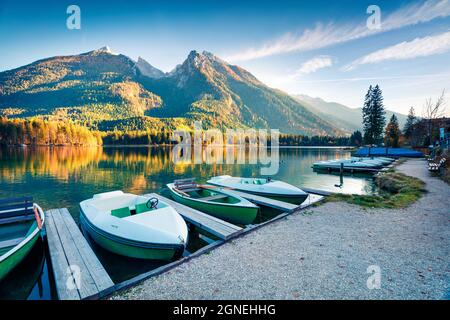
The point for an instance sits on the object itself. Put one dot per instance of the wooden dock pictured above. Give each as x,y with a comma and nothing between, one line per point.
317,191
348,169
312,199
77,271
272,203
215,226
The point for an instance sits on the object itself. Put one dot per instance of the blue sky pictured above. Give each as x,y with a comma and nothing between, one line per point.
320,48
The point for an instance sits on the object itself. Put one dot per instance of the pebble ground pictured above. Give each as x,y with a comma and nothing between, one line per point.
325,253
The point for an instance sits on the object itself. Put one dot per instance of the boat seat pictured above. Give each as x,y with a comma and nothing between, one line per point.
188,185
16,207
189,190
184,181
121,212
142,207
10,242
215,197
16,219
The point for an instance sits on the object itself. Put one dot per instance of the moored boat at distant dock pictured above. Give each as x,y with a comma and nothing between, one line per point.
347,165
377,160
388,152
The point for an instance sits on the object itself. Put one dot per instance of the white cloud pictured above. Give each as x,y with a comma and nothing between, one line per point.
324,35
416,13
419,47
319,37
379,78
315,64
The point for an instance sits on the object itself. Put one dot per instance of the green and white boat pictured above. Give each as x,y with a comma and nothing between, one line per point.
21,222
264,187
134,226
214,201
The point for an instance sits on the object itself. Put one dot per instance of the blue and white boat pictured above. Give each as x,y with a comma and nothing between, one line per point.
388,152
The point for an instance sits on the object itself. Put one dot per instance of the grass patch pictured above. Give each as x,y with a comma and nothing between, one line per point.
396,191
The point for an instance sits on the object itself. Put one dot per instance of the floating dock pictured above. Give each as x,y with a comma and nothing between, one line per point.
272,203
79,274
215,226
77,271
355,165
332,167
317,191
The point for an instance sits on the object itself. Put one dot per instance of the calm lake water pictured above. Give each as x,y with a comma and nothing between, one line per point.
63,176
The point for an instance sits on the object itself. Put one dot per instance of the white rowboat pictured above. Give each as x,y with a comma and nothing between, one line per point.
134,226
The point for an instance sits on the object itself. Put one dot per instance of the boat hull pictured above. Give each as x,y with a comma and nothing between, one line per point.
7,265
297,199
294,199
234,214
277,190
131,249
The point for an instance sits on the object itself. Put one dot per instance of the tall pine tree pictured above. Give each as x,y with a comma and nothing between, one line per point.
366,114
356,138
392,133
410,122
373,116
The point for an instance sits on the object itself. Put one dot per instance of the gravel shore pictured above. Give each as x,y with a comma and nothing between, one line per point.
324,253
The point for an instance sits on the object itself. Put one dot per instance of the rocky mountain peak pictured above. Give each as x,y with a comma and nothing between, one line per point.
202,87
148,70
105,49
101,51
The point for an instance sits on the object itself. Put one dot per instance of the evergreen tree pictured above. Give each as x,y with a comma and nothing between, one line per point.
373,115
356,138
392,133
410,122
366,112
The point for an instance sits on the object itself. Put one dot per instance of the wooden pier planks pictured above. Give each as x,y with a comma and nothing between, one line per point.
317,191
312,199
276,204
71,256
213,225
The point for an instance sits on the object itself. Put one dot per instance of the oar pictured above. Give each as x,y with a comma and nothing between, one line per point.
207,186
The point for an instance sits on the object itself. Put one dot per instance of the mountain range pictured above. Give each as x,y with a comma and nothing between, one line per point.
108,91
343,117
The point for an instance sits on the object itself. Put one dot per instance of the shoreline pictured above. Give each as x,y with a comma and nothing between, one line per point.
324,253
171,145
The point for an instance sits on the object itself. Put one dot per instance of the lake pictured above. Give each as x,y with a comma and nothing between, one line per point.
63,176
